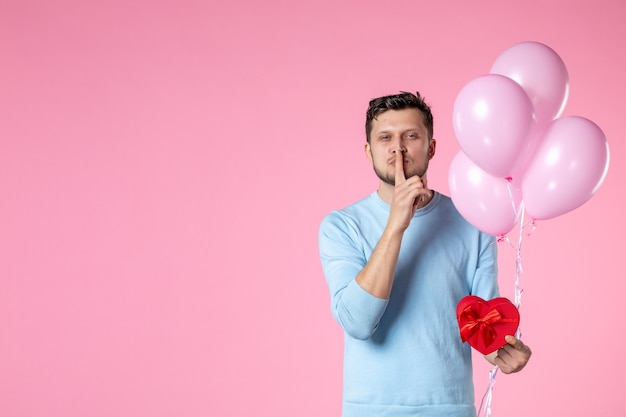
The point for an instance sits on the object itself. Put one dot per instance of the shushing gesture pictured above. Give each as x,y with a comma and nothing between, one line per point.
409,195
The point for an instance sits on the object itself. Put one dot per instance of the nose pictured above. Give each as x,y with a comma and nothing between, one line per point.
398,146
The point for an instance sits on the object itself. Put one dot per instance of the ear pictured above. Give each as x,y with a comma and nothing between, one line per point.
431,148
368,151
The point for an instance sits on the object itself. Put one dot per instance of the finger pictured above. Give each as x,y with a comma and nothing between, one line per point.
515,342
503,353
510,359
399,167
425,190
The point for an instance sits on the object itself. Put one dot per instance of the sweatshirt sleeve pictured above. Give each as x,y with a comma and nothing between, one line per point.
485,280
342,256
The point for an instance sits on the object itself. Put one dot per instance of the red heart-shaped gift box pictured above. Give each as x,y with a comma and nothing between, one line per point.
484,324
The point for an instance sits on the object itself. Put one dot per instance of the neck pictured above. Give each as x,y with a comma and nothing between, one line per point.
385,192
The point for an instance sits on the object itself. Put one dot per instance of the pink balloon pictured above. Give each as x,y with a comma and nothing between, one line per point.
493,119
490,204
567,169
542,74
526,155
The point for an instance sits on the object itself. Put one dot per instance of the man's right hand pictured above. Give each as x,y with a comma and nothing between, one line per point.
409,195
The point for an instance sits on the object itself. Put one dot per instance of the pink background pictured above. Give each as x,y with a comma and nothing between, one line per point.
164,167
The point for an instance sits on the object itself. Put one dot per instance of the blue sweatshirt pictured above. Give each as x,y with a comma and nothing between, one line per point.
404,356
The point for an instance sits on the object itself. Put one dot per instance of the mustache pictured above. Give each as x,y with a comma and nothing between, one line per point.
392,160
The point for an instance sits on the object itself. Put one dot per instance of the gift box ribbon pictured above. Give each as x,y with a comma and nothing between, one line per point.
474,322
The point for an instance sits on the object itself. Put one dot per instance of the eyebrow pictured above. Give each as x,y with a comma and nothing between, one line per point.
402,131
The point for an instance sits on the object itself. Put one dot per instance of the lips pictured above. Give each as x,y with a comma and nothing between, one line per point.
393,161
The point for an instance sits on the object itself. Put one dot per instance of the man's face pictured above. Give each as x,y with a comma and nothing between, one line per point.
399,131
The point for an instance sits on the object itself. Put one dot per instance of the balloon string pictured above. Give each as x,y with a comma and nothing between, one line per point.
489,394
518,259
488,397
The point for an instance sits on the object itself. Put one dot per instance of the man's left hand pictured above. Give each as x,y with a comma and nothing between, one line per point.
511,357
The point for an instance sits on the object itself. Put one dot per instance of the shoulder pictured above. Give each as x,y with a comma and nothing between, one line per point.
360,220
450,215
353,213
442,206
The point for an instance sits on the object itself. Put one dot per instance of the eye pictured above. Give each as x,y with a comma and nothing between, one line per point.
412,135
385,137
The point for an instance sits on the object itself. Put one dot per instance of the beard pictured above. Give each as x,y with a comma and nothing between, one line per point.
391,178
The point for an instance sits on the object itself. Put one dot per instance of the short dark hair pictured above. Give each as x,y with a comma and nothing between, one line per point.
400,101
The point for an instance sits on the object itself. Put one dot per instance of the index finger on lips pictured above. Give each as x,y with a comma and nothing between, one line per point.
399,167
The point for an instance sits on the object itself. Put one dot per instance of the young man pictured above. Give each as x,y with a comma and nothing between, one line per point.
397,263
